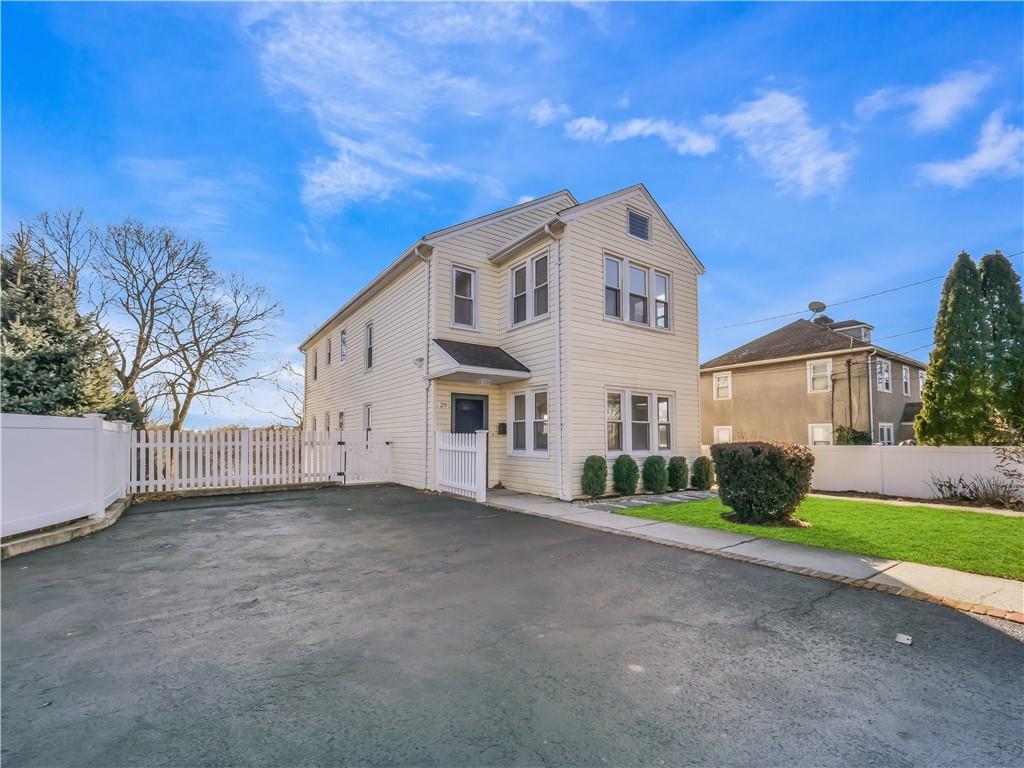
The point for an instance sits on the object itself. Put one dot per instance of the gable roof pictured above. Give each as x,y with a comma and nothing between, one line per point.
801,338
479,221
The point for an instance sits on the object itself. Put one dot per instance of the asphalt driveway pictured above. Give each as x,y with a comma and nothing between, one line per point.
381,626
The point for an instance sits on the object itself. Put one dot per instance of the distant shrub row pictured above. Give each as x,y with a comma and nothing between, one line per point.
658,475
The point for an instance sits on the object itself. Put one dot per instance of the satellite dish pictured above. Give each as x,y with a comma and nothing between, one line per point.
816,306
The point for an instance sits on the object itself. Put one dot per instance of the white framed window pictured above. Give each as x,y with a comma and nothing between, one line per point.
343,345
638,422
722,434
638,312
316,367
721,385
613,287
464,289
529,288
906,381
329,349
819,375
341,421
638,224
327,422
314,423
369,345
529,418
885,433
883,372
661,288
920,383
819,434
368,418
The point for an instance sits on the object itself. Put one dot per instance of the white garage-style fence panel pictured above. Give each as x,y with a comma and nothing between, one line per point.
462,463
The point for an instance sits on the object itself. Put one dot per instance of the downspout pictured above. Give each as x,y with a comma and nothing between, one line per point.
426,377
558,364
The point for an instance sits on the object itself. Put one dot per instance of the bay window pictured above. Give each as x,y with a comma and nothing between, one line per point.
529,417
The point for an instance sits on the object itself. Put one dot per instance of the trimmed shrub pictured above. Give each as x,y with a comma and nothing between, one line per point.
655,474
625,474
703,475
762,481
678,473
595,476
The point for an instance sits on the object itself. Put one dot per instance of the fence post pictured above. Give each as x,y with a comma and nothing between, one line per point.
246,457
481,465
125,452
98,472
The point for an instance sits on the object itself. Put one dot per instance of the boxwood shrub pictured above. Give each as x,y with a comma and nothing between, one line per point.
703,475
595,476
625,474
678,474
655,474
762,481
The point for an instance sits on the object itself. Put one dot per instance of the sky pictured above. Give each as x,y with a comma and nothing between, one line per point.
805,152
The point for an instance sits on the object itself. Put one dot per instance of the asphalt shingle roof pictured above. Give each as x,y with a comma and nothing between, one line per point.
801,337
480,355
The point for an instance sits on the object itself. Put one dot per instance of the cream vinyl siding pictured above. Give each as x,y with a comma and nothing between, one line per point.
394,386
605,354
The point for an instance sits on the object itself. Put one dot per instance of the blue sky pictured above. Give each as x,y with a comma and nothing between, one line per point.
804,151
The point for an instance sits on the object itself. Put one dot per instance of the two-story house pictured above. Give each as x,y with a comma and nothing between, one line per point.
801,382
564,329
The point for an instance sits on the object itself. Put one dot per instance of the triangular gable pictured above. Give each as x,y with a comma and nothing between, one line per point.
490,218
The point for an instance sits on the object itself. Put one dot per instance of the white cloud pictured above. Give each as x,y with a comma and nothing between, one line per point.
776,131
681,139
524,199
933,106
586,129
544,112
998,152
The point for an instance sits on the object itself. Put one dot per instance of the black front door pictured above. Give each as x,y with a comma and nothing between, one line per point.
469,413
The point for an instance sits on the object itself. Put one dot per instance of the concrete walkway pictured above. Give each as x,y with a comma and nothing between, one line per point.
1003,598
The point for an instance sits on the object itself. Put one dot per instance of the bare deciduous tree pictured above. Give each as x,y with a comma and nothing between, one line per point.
289,383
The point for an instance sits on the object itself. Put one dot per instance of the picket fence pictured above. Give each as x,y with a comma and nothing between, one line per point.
462,464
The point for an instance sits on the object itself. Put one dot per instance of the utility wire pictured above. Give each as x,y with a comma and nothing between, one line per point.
904,333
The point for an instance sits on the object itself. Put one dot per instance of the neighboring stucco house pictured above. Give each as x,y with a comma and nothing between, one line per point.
564,329
800,382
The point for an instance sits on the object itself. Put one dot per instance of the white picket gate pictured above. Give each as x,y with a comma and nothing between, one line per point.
161,460
462,463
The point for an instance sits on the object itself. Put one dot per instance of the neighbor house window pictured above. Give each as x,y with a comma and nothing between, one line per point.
638,295
329,346
614,420
530,290
613,287
906,381
316,367
664,423
369,345
819,375
343,345
920,383
660,300
638,225
640,422
885,433
529,422
463,297
884,374
722,386
722,434
819,434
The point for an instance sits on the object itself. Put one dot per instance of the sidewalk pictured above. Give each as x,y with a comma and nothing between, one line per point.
1002,598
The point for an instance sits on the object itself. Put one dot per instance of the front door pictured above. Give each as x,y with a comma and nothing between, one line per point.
469,413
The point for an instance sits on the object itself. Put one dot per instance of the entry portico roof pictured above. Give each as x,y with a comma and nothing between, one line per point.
482,363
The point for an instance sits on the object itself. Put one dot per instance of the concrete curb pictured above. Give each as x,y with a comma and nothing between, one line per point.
29,542
636,533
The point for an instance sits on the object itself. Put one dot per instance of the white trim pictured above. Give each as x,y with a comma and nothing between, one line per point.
826,424
828,376
714,385
714,433
529,421
474,298
882,426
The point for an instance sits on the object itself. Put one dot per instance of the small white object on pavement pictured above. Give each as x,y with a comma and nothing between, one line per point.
905,639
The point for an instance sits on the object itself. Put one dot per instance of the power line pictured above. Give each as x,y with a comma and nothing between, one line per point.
904,333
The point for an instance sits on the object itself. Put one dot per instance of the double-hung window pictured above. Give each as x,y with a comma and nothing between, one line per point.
463,297
638,295
906,381
529,419
327,421
329,349
664,423
884,374
819,434
638,422
885,433
920,383
819,375
368,419
341,421
613,287
722,386
660,300
369,345
530,290
316,368
614,419
343,345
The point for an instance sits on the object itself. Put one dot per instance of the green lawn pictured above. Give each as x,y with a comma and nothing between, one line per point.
967,541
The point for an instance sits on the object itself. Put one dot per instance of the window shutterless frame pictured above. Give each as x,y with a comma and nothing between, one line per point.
528,289
343,345
721,385
315,366
722,434
637,294
819,434
464,293
638,422
613,287
884,374
369,345
329,350
819,376
906,381
886,435
528,414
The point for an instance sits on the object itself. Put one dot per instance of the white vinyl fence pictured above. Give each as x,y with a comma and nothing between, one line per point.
897,470
59,468
462,463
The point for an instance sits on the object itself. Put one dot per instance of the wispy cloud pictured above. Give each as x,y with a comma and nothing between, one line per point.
680,138
932,107
776,131
586,129
545,112
997,152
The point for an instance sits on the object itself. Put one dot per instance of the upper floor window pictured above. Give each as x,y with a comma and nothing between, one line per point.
529,419
315,366
638,225
883,370
638,295
369,345
819,375
722,386
529,290
329,346
906,381
660,300
343,345
464,297
641,282
341,421
920,383
613,287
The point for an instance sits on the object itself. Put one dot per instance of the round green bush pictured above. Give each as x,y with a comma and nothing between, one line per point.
595,476
703,475
762,481
655,474
678,475
625,474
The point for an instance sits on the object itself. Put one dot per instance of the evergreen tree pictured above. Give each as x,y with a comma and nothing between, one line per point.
954,402
1004,344
52,363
